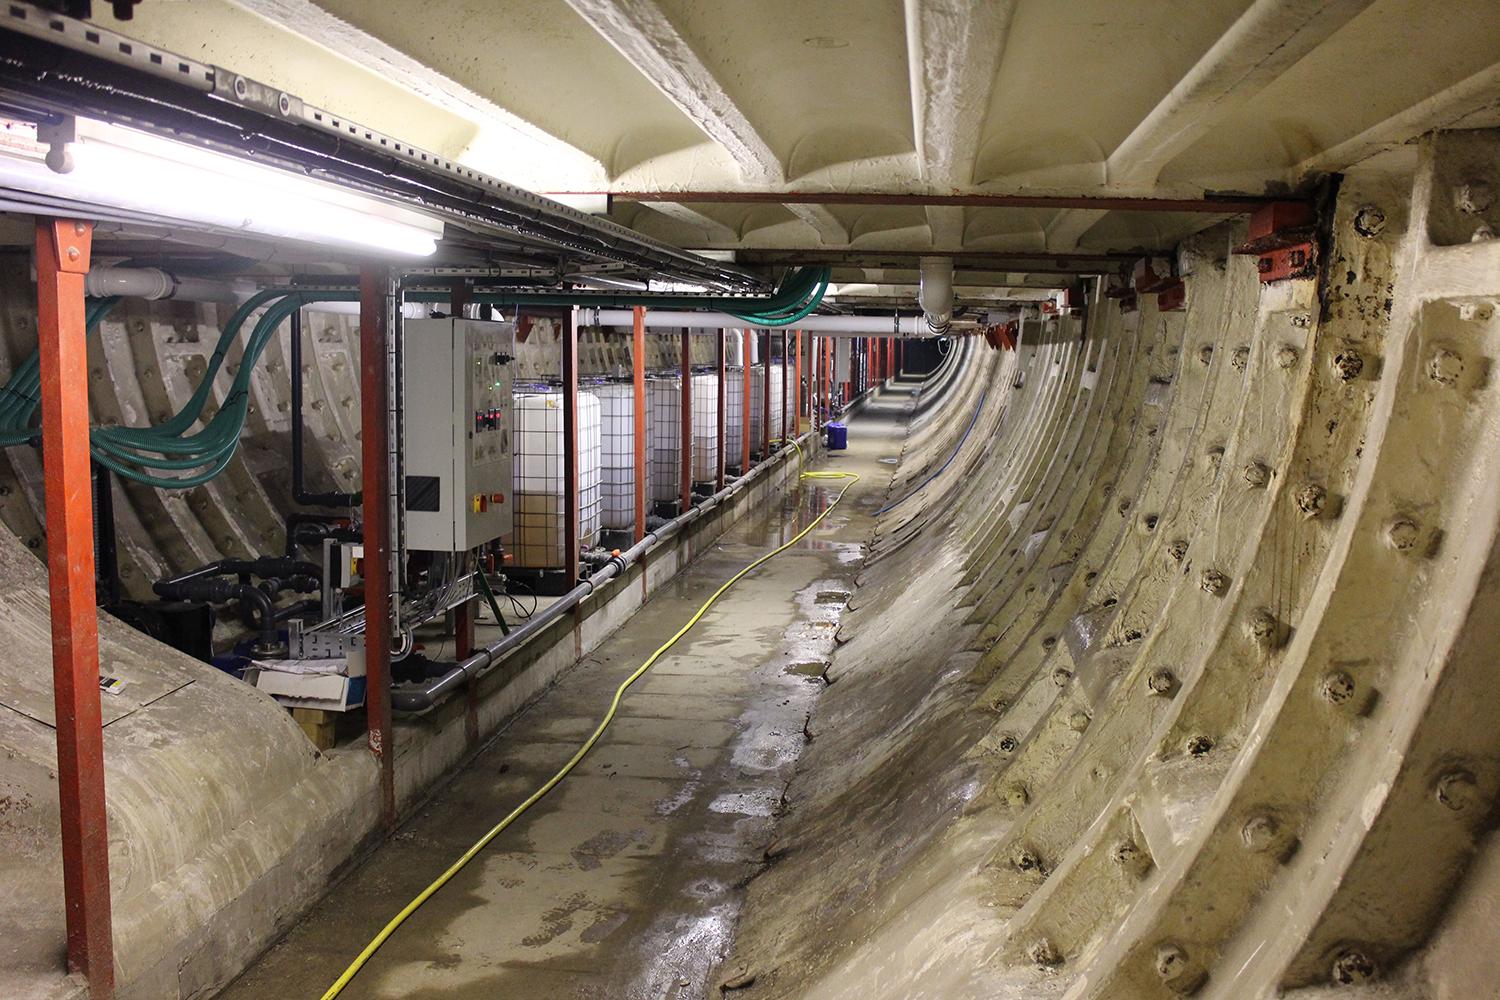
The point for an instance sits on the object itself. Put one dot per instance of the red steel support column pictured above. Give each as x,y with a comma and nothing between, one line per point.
820,373
800,396
686,464
571,514
62,260
723,416
785,387
374,406
461,296
638,384
828,379
461,293
745,341
765,403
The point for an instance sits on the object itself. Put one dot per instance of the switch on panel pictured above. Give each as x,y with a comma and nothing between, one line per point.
458,388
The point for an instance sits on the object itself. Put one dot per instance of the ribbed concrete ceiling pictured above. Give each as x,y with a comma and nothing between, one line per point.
1090,98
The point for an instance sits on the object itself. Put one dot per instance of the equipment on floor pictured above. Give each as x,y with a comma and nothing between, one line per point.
838,436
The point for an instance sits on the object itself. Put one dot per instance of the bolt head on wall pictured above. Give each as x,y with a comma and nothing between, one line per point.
1162,682
1336,688
1457,790
1369,221
1445,367
1311,500
1352,967
1402,534
1347,364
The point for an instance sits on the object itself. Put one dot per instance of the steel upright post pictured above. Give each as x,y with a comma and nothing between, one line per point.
62,260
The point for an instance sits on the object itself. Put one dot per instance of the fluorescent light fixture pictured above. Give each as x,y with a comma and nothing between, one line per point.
125,171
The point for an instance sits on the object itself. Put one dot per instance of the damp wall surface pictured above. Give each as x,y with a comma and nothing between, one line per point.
1179,677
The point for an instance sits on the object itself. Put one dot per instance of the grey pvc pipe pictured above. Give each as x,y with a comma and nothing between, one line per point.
154,283
904,327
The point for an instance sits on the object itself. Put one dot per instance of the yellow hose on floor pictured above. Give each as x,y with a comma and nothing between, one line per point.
406,911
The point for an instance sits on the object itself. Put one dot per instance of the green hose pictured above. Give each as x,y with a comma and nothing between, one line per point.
131,451
787,319
138,453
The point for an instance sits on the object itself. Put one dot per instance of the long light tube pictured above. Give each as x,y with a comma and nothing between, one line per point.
134,173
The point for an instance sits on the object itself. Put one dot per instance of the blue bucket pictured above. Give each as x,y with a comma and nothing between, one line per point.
838,436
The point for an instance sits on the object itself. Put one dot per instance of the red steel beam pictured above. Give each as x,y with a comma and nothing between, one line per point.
825,395
765,405
797,409
62,260
572,516
745,336
638,387
785,388
375,442
460,295
723,415
685,457
1235,205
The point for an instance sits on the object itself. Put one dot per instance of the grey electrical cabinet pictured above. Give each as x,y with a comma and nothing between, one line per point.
458,433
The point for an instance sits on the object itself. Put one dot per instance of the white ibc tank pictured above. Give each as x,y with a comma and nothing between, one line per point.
734,416
537,542
757,407
617,458
706,428
664,434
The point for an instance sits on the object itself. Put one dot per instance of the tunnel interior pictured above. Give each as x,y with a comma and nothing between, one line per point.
813,501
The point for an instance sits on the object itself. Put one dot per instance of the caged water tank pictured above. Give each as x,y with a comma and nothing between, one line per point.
664,431
734,416
706,428
538,535
664,438
617,458
757,407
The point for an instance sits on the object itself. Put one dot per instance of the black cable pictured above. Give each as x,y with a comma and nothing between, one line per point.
518,605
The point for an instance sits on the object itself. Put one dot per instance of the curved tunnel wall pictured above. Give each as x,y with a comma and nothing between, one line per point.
1179,678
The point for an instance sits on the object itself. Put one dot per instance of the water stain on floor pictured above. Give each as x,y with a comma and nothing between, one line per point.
626,880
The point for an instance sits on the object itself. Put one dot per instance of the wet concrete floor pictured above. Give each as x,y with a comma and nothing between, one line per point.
625,881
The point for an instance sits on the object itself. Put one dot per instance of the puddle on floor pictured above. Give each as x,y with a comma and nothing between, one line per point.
813,670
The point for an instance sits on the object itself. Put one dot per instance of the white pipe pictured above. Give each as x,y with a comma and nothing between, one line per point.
935,294
906,327
154,283
409,310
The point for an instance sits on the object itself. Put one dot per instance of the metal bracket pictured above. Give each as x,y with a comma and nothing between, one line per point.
1282,237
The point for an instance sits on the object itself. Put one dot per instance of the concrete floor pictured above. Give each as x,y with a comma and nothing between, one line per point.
626,881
